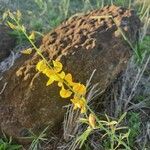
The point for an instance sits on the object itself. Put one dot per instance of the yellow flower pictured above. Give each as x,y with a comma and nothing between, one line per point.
60,84
83,110
48,72
79,103
62,75
79,88
92,121
41,66
68,78
57,66
58,76
49,82
65,93
54,77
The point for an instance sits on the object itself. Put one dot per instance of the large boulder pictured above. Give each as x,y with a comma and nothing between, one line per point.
7,42
82,44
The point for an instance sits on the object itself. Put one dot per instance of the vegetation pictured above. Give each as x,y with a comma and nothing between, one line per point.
114,132
6,144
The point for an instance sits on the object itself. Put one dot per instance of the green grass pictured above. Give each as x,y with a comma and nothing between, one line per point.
134,125
43,15
36,140
7,144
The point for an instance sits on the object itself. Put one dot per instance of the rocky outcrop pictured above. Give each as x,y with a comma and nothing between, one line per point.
82,44
7,42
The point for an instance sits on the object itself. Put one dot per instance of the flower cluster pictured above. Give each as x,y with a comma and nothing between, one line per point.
76,91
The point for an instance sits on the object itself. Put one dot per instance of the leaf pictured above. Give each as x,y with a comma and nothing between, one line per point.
83,137
18,13
32,36
112,123
122,117
11,15
23,28
5,15
12,26
83,120
107,118
126,135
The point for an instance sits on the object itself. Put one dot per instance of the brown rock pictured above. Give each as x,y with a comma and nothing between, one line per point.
7,42
82,44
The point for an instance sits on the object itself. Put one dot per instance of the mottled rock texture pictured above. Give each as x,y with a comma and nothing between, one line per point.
82,44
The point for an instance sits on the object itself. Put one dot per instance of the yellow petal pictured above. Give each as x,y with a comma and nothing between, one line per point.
83,110
62,75
60,84
48,72
79,88
68,78
41,66
49,82
79,103
65,93
27,51
57,66
56,77
75,107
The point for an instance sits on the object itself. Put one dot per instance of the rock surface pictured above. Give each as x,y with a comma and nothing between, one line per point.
82,44
7,42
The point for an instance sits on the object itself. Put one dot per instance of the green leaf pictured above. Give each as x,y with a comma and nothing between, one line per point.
12,26
122,117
